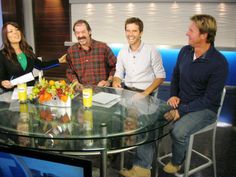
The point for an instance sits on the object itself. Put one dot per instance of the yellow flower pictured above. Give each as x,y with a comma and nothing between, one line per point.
51,82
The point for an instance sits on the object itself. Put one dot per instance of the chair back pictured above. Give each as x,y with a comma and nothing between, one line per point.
221,102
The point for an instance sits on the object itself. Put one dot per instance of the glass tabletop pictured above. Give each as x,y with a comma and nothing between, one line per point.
119,118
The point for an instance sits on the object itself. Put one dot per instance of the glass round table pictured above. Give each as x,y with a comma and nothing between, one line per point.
119,120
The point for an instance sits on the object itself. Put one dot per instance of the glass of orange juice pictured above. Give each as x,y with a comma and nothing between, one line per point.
87,96
22,92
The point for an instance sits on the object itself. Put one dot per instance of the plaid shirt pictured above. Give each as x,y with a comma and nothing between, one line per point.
92,66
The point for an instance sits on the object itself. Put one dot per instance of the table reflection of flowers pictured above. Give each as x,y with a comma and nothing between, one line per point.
46,91
53,122
49,114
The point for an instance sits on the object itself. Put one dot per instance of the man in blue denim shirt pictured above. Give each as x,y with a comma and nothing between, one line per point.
198,80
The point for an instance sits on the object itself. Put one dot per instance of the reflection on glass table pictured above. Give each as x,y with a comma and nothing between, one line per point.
132,121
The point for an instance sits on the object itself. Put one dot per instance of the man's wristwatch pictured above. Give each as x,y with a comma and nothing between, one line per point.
110,81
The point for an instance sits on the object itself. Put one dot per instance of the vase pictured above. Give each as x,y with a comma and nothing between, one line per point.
55,101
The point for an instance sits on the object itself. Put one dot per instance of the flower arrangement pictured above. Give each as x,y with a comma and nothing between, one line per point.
47,90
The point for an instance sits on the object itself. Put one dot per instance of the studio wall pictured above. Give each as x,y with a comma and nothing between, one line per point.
12,11
51,28
164,23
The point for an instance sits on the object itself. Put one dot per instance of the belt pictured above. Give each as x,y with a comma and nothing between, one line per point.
133,89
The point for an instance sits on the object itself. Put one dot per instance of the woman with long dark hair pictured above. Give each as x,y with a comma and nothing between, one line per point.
17,57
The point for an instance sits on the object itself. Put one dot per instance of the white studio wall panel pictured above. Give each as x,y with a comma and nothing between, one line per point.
164,23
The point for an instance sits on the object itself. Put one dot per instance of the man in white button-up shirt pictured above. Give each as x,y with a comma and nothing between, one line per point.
139,65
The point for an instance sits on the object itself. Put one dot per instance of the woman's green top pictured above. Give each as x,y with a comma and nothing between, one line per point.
22,60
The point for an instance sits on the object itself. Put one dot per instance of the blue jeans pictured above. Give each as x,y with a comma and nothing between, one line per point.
144,153
180,134
184,127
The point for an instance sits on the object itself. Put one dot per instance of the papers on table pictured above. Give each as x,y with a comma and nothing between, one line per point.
6,97
104,99
23,79
14,95
14,106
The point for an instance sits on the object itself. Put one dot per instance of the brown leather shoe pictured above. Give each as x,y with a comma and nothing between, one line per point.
136,171
170,168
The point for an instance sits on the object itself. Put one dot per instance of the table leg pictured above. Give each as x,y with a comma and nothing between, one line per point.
122,158
103,170
156,154
154,162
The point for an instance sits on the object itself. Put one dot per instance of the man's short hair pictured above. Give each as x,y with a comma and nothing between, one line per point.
136,21
206,24
82,22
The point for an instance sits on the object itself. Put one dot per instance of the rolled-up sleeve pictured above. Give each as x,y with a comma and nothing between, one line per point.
157,64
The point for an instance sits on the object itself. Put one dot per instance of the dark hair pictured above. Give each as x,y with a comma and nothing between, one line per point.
206,24
8,50
82,22
136,21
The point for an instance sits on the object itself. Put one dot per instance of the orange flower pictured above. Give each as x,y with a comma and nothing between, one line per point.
64,98
41,98
63,82
45,97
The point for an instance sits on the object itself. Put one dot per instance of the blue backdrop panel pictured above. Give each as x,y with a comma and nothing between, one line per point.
169,57
231,58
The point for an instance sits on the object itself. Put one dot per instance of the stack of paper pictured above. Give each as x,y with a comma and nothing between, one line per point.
105,99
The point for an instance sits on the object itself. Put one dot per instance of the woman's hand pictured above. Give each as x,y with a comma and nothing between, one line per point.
7,84
62,59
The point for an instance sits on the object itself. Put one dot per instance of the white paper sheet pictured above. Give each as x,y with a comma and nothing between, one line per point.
104,98
22,79
108,105
6,97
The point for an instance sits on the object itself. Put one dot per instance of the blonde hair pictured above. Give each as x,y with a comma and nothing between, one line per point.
206,24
